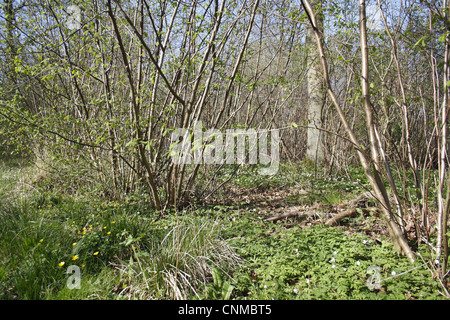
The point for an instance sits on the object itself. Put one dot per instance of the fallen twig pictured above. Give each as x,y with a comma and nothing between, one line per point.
339,216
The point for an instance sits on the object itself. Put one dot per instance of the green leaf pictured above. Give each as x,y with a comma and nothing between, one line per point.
420,41
443,37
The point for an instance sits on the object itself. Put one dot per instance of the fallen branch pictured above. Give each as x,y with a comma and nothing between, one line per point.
360,201
347,213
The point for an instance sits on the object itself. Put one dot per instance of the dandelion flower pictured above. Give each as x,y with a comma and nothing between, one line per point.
41,240
109,232
61,263
95,253
75,258
74,244
82,265
113,222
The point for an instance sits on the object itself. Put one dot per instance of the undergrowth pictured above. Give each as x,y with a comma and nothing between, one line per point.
126,251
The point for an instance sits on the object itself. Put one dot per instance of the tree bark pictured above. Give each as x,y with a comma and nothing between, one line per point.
316,92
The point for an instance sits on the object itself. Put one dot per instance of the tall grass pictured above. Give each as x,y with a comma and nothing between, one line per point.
123,250
180,266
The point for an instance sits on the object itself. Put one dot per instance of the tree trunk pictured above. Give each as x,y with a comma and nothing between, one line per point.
370,162
316,93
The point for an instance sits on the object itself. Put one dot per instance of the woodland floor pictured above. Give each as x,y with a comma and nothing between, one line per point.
291,237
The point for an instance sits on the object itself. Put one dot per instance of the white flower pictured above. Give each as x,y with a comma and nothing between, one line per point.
358,263
365,241
345,269
295,291
333,266
393,273
265,287
335,253
332,259
307,281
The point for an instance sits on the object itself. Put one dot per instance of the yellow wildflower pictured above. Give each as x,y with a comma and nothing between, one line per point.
75,258
41,240
95,253
74,244
61,263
